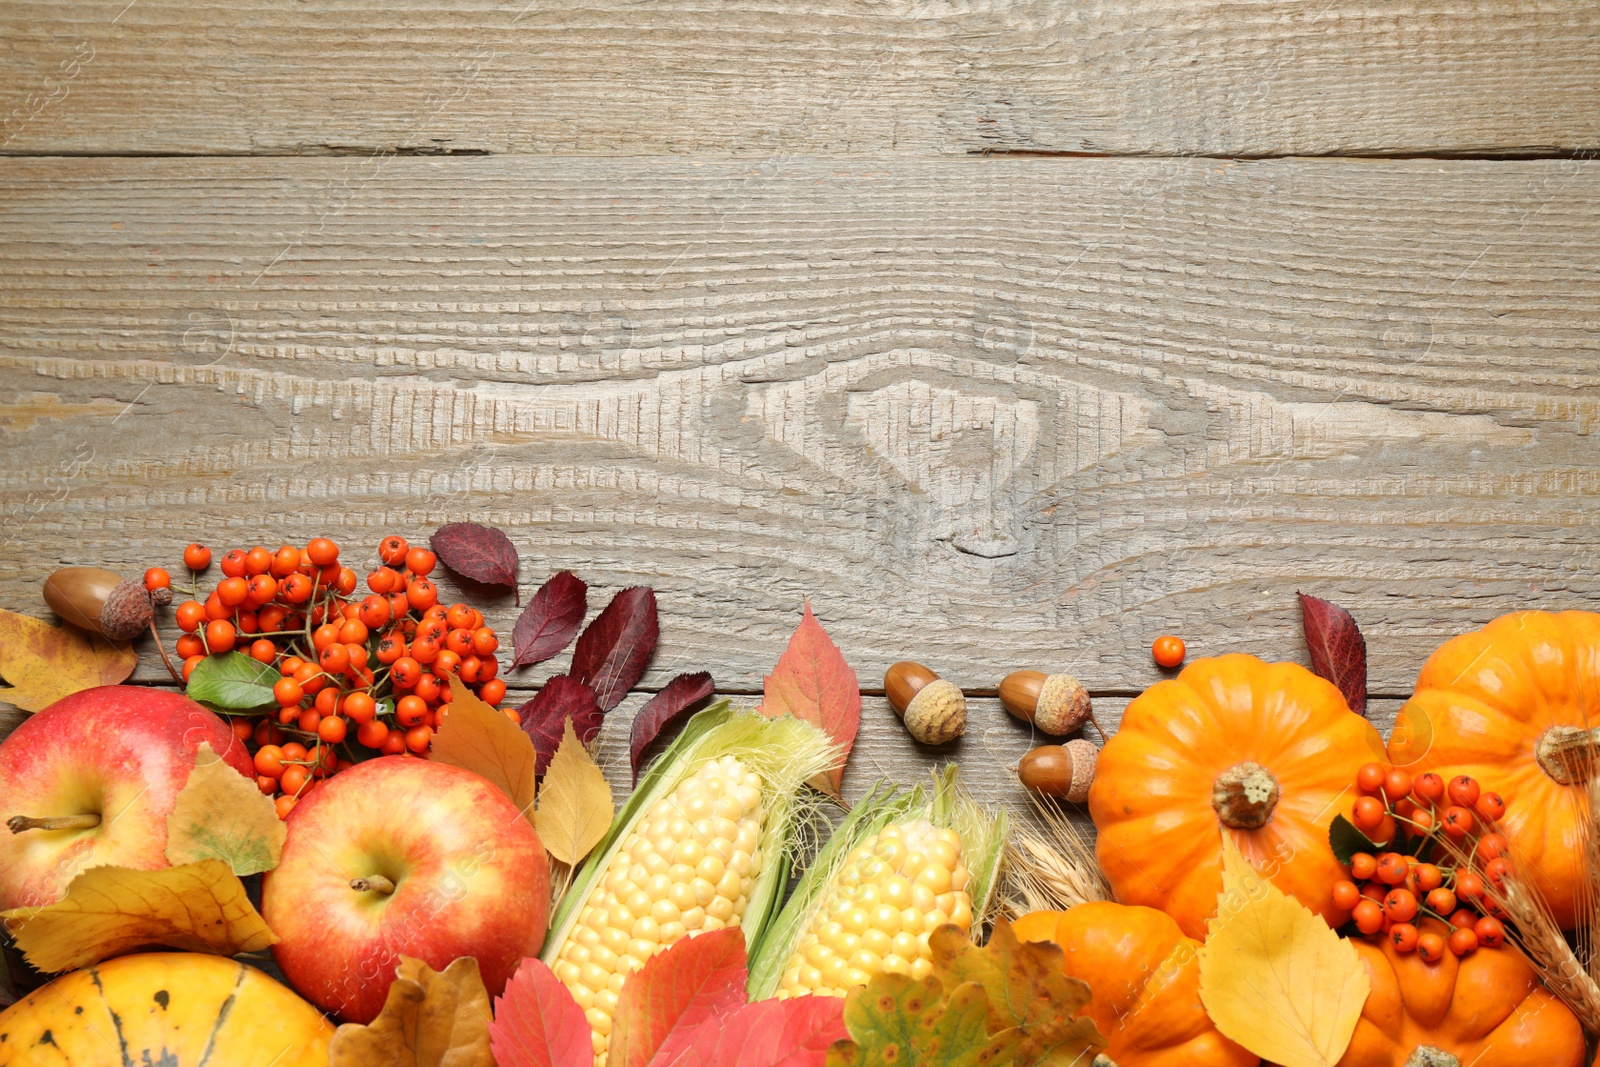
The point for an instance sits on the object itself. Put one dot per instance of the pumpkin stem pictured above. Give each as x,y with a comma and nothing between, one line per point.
1567,753
1428,1056
1244,796
22,823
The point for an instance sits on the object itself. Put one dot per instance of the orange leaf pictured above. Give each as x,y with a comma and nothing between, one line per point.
699,978
813,682
44,663
477,738
430,1019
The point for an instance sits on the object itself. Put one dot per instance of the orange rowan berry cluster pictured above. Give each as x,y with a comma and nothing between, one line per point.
1417,875
373,670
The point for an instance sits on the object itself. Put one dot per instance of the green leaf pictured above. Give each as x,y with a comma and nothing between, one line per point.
895,1021
1346,840
233,682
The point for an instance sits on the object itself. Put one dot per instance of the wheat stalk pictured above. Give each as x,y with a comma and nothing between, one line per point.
1054,869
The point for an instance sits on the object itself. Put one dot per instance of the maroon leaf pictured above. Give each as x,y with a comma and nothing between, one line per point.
538,1024
544,717
769,1033
547,624
613,649
481,553
1338,651
681,695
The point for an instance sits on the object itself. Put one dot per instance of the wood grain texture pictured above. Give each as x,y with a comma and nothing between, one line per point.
778,82
985,414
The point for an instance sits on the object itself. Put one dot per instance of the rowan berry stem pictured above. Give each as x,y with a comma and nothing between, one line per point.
376,883
19,823
176,677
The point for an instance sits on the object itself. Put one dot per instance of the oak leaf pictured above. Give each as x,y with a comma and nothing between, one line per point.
813,682
1338,651
682,695
430,1019
44,663
559,700
537,1023
898,1021
575,807
698,979
613,650
474,736
220,814
198,907
1273,976
1027,989
551,619
478,552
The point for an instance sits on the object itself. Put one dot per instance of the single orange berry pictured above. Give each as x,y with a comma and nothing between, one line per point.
1430,947
1345,894
334,658
1363,865
1371,776
1403,936
233,563
428,688
215,608
1429,877
322,551
1428,787
484,641
263,650
197,557
267,785
446,662
284,561
272,617
1463,790
310,718
1368,916
1491,806
373,733
1400,906
1463,941
269,761
459,642
422,593
1396,784
382,581
410,710
261,589
391,646
1442,901
392,550
257,561
459,616
1457,822
1492,846
325,635
405,672
220,636
1367,813
191,645
232,591
247,622
242,728
471,670
284,805
1392,868
395,743
493,691
359,708
157,578
190,614
1469,887
267,733
1168,651
1463,917
399,603
327,701
420,561
418,738
352,632
345,583
332,729
289,716
1491,932
425,649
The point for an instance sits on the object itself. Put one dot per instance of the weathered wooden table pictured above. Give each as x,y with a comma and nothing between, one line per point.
1011,332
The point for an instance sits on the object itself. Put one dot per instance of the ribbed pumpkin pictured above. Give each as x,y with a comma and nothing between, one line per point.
1145,977
175,1009
1512,705
1485,1009
1265,751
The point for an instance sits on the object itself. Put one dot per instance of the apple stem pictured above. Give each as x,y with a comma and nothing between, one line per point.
19,823
377,883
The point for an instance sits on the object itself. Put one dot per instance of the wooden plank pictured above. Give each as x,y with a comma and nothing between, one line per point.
783,82
986,415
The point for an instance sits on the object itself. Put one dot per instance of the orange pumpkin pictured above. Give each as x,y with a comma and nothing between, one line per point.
1265,751
1485,1009
1511,705
1145,978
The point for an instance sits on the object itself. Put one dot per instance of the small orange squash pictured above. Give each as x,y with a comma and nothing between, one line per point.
1485,1009
1512,705
1145,978
175,1009
1265,751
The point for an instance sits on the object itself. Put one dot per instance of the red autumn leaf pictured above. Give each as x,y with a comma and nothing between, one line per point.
768,1033
680,696
698,979
537,1023
479,552
544,717
613,649
547,624
1338,651
813,682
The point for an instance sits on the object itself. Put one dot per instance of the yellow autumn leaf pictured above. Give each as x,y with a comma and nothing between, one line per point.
199,907
575,808
430,1019
43,663
476,737
1274,977
220,814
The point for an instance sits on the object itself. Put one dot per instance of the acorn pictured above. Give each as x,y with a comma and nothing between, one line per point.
100,601
1056,703
934,710
1060,770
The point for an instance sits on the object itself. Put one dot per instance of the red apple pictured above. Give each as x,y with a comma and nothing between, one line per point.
113,758
400,855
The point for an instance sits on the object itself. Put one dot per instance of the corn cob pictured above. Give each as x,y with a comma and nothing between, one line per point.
702,844
900,866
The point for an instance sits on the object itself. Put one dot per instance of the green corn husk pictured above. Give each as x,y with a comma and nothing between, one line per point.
983,836
785,752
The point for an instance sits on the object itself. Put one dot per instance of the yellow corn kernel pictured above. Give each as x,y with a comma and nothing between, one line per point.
877,911
654,892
